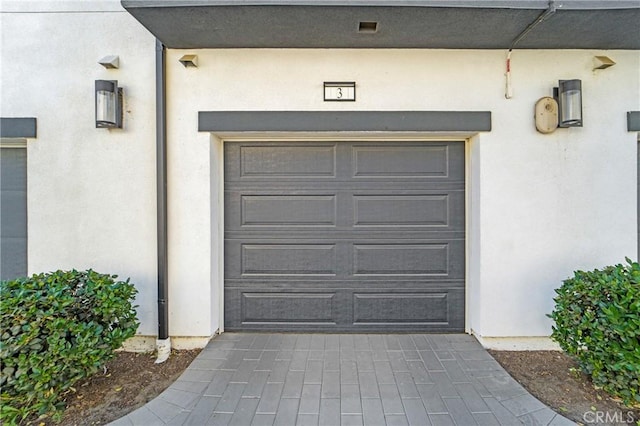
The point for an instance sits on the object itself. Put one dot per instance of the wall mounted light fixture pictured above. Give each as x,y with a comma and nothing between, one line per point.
602,62
189,61
109,101
110,62
569,96
564,109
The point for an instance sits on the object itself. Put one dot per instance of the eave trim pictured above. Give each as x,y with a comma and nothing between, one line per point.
470,4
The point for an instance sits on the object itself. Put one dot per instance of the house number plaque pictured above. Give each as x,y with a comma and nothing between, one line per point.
340,91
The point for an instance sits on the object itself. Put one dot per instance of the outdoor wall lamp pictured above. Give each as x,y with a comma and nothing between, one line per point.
564,109
108,104
110,62
569,97
189,61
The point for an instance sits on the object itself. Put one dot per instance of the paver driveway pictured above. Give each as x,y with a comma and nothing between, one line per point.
344,379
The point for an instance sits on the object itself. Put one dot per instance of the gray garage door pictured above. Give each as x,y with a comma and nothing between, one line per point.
13,217
344,236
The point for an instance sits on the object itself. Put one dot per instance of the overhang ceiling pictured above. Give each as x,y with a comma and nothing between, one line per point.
453,24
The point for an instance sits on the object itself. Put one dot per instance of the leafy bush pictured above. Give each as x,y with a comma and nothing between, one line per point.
597,322
57,328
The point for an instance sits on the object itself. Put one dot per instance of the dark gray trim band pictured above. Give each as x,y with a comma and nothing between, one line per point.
633,121
496,4
344,121
25,127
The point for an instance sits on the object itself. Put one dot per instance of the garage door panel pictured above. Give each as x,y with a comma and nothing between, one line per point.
344,236
13,260
413,210
401,210
373,282
288,259
344,259
345,210
282,258
287,210
275,309
415,161
415,308
405,309
341,233
430,260
299,186
344,310
13,171
283,161
13,219
295,307
400,259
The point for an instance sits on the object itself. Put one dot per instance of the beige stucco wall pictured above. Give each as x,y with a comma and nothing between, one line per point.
91,192
539,206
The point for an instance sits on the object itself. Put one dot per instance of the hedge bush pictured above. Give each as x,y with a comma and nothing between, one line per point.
57,328
597,322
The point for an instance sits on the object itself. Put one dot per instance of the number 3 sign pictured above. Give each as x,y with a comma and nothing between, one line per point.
340,91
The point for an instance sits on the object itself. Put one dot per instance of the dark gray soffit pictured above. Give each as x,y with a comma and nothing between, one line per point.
23,127
344,121
404,24
633,121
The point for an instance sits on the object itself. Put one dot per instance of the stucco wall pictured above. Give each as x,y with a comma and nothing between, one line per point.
91,192
539,206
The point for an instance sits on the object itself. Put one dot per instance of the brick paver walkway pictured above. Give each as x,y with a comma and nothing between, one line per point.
344,379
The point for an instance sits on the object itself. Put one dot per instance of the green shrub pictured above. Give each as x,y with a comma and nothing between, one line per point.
597,322
57,328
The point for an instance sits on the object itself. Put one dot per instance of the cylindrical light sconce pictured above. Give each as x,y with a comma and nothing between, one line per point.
570,103
108,104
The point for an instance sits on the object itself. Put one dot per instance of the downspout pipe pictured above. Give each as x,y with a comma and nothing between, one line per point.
163,343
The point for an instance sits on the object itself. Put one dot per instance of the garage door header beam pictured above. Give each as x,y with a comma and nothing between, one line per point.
344,121
22,127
